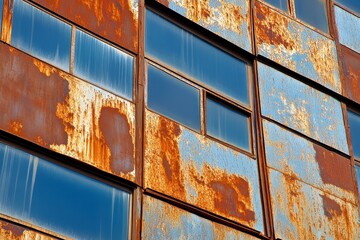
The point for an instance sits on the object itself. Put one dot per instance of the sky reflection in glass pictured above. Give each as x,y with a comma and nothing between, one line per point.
351,4
281,4
312,12
56,198
354,122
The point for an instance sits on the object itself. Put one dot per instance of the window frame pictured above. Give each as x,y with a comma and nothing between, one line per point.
205,89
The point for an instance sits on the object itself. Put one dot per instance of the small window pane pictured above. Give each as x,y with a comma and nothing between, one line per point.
103,64
313,12
173,98
55,198
41,35
180,49
351,4
281,4
354,122
227,124
358,177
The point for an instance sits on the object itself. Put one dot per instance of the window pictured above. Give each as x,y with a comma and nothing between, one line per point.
281,4
351,4
354,123
193,72
173,98
41,35
59,199
101,63
357,168
313,12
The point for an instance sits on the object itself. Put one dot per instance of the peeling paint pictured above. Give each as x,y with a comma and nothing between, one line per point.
11,231
302,108
164,221
296,47
228,19
115,20
187,166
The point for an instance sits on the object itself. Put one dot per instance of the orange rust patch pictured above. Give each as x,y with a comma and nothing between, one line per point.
115,20
331,208
15,127
7,21
334,169
10,231
351,66
116,130
44,68
164,2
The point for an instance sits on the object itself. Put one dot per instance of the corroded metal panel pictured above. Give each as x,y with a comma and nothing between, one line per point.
348,26
302,108
11,231
185,165
55,110
308,162
164,221
115,20
303,212
351,67
296,47
230,19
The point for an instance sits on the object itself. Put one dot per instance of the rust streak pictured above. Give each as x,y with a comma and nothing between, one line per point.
7,21
331,208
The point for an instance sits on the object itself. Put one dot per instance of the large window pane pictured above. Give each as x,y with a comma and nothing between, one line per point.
173,98
61,200
103,64
227,124
41,35
281,4
351,4
354,122
313,12
184,51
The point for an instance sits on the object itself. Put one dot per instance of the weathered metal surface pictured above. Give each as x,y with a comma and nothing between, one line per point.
302,108
308,162
351,68
303,212
115,20
164,221
6,21
55,110
296,47
348,26
230,19
187,166
11,231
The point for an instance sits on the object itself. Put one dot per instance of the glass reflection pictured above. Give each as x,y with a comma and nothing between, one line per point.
184,51
41,35
103,64
281,4
358,177
173,98
353,5
313,12
227,124
1,13
56,198
354,122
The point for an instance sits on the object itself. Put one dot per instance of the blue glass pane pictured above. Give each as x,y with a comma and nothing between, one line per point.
41,35
227,124
61,200
173,98
103,64
354,122
281,4
184,51
358,178
351,4
312,12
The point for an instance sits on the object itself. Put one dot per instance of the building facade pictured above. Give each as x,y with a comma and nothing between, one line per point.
176,119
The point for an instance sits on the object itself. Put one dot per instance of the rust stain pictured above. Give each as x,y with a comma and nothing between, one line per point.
164,2
331,208
115,20
29,97
334,169
10,231
44,68
16,231
99,126
7,21
351,66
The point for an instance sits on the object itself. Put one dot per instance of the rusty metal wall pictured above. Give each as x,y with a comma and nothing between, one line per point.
164,221
230,19
296,47
351,68
187,166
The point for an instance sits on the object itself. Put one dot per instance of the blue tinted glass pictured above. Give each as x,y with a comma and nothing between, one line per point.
227,124
351,4
312,12
58,199
173,98
354,122
281,4
358,178
180,49
41,35
103,64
